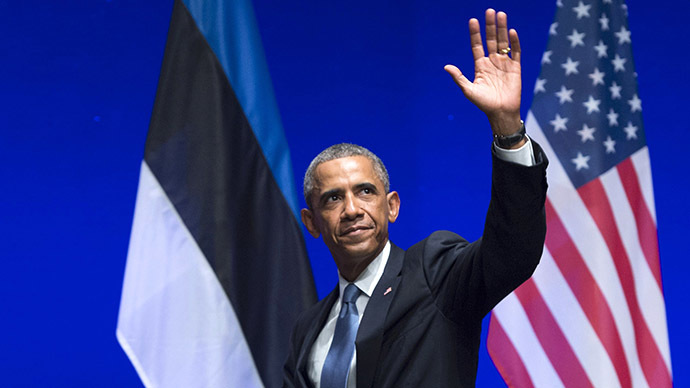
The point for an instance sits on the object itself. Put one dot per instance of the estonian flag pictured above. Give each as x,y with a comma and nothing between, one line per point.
217,270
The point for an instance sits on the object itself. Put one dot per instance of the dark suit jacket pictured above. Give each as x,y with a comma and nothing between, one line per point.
425,332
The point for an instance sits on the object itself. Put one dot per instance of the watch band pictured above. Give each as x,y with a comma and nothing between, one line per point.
511,140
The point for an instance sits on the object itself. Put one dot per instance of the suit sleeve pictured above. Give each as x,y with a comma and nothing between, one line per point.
468,280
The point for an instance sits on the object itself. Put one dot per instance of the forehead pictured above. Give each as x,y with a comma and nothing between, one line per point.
346,171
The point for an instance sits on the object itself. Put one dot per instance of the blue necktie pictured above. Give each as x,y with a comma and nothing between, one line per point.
337,364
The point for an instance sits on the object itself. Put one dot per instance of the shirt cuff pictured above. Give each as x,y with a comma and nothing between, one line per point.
523,155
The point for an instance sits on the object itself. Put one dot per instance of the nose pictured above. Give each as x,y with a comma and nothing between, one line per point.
352,208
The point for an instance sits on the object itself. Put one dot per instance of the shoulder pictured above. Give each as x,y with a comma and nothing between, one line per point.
440,263
437,243
437,254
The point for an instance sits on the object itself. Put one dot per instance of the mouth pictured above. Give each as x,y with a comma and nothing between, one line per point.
355,230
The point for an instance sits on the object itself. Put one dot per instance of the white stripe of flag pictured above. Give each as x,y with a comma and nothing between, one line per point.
169,293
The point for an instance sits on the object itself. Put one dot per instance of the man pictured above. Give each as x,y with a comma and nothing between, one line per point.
413,318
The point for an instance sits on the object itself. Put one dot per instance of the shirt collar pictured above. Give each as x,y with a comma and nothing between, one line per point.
367,280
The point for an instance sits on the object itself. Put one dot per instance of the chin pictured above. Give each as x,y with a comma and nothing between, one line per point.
364,250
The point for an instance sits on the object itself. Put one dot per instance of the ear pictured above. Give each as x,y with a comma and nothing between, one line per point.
308,221
393,205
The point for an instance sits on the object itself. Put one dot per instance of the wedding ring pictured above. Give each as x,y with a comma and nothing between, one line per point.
504,51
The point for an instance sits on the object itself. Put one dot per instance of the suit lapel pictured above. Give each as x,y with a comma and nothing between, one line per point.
312,334
370,332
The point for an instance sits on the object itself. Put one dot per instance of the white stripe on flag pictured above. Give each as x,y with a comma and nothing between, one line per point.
574,323
643,168
512,317
586,236
649,296
176,323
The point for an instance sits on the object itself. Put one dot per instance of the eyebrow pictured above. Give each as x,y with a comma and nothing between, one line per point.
366,185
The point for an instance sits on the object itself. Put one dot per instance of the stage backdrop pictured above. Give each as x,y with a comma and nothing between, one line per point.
77,90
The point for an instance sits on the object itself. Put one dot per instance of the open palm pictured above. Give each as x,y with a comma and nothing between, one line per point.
497,76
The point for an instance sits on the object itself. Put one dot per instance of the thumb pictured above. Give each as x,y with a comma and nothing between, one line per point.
458,77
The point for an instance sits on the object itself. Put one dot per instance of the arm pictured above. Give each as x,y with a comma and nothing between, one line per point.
469,279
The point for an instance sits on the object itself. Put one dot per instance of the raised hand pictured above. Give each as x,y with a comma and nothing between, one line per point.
497,77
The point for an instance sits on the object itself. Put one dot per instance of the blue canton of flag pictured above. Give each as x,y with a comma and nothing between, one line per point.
586,96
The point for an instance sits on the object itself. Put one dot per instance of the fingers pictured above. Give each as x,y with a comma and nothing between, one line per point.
498,38
458,77
476,39
491,43
502,31
515,45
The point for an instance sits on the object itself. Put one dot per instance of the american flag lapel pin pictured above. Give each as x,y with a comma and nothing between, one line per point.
387,291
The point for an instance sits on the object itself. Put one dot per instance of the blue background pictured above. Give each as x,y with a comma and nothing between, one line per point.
78,80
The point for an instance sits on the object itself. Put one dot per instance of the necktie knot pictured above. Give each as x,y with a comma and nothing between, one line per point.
351,293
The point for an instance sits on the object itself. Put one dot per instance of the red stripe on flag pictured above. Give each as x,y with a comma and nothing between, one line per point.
646,230
506,358
653,365
550,336
587,291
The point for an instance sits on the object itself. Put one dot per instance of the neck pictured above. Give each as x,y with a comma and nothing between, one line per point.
352,272
351,267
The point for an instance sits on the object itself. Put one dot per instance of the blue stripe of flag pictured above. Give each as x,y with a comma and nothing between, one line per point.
231,31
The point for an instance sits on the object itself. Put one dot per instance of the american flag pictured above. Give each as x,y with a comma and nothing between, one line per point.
593,314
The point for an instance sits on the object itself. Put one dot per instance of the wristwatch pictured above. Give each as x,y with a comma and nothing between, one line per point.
510,140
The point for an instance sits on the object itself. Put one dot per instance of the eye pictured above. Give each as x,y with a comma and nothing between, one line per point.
333,198
367,190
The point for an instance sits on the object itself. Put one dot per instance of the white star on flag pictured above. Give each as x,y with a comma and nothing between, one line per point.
601,49
559,123
613,118
623,35
546,58
604,21
635,104
539,86
619,63
565,95
630,131
592,104
552,29
615,91
582,10
570,66
586,133
597,77
581,161
576,38
610,145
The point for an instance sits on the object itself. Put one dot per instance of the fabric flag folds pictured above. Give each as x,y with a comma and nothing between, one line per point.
593,314
217,270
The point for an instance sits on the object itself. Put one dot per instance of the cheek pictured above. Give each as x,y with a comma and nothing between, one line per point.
379,212
330,225
321,223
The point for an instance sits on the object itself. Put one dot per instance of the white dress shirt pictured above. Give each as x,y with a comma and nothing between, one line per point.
368,280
